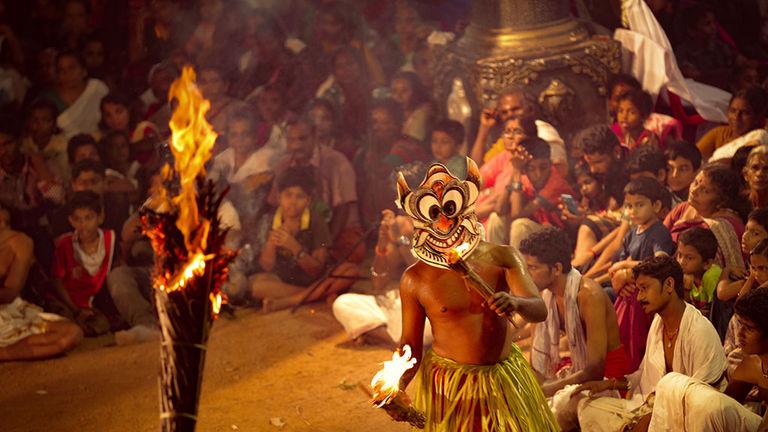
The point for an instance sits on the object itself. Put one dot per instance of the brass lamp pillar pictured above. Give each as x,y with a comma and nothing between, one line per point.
536,45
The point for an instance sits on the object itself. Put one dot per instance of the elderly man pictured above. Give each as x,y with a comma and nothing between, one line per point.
515,103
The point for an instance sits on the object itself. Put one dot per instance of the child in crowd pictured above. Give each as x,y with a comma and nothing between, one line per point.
81,263
634,108
647,237
42,136
755,231
534,191
696,253
115,151
81,147
293,248
447,137
117,115
683,162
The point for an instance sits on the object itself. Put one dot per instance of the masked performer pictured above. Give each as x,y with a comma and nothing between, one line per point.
474,378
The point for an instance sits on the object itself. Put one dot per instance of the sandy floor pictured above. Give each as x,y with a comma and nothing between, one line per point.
259,367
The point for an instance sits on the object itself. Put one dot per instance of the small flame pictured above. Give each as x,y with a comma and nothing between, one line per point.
386,382
454,255
215,303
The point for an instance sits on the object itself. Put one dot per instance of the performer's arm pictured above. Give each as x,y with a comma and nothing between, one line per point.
592,310
524,297
413,323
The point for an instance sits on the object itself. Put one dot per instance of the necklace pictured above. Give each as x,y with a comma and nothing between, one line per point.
668,338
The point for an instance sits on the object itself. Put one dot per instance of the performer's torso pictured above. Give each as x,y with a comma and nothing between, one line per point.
464,329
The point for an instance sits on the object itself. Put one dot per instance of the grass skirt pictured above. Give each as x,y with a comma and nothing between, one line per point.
500,397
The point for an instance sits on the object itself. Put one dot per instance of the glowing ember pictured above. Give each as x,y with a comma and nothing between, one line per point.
215,303
192,140
454,255
386,382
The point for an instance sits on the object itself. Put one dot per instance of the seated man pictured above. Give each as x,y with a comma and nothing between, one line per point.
376,317
578,307
680,340
694,405
26,332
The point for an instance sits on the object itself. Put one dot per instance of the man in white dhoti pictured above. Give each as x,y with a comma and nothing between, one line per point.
26,333
376,318
692,405
580,308
680,340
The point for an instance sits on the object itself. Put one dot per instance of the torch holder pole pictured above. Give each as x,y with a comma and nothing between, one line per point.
478,284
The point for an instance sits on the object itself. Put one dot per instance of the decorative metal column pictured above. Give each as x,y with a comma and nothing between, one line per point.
534,44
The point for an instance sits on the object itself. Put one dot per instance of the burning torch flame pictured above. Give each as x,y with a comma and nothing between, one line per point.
216,303
455,254
386,382
196,267
192,140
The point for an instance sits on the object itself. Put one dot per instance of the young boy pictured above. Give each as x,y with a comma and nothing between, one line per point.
293,248
81,262
447,137
696,252
683,162
534,191
647,237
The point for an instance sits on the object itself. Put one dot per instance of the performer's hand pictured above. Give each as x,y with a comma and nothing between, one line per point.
394,407
593,387
503,303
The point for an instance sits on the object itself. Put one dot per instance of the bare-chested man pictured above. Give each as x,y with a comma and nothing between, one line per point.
26,333
578,308
474,378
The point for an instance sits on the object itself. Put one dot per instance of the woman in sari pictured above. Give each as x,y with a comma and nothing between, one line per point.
746,116
712,203
77,97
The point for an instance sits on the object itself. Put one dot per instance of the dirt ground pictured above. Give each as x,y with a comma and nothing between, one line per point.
259,368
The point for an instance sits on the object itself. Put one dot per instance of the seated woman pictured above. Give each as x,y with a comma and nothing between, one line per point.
76,97
26,333
293,249
712,204
746,116
413,98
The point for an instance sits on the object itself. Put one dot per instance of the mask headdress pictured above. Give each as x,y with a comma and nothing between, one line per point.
443,213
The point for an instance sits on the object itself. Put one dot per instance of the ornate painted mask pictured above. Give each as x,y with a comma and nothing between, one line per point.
443,213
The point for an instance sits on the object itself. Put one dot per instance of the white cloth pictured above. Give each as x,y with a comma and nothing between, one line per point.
651,60
92,262
260,161
756,137
84,114
361,313
697,353
548,133
545,352
687,404
20,320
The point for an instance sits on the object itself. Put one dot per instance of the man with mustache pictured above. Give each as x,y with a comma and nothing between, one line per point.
680,340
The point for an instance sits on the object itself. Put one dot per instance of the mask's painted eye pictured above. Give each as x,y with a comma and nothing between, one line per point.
429,207
453,202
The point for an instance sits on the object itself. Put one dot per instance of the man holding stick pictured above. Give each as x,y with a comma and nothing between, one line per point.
474,378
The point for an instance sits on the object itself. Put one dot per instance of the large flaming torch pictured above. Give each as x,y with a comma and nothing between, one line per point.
386,389
190,258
